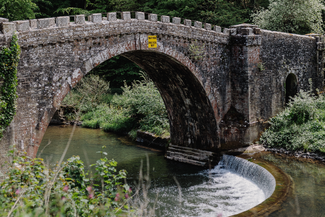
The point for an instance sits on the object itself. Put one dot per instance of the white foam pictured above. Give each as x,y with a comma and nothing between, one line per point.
226,193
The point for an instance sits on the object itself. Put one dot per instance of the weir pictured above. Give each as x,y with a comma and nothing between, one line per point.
251,171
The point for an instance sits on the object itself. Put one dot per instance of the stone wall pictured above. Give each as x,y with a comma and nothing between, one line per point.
282,54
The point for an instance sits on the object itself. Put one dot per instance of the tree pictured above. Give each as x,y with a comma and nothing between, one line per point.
17,9
295,16
118,70
20,9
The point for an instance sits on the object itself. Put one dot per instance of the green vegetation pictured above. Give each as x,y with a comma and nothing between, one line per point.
31,188
300,126
300,16
218,12
9,58
117,71
21,9
140,106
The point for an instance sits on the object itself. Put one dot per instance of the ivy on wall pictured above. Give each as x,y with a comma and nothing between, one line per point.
9,58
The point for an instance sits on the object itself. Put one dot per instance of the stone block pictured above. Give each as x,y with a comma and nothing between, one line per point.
233,31
207,26
176,20
246,31
45,23
165,19
253,40
198,24
22,25
62,21
3,20
226,31
33,24
257,31
8,27
217,28
188,22
126,15
111,16
96,18
153,17
52,22
139,15
104,18
243,25
79,19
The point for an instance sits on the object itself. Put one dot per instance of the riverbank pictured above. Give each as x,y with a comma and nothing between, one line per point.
300,129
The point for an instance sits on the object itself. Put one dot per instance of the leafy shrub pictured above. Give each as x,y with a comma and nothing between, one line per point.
143,101
90,92
32,189
301,16
140,106
301,126
94,124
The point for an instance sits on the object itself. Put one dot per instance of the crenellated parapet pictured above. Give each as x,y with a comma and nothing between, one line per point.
69,28
98,18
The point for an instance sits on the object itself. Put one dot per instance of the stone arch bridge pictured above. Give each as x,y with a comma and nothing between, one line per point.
219,87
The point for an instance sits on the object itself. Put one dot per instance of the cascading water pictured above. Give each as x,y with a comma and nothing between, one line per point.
233,186
257,174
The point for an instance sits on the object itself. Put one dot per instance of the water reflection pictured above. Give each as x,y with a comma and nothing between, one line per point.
309,186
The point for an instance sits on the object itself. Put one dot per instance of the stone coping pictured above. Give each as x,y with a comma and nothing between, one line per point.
64,21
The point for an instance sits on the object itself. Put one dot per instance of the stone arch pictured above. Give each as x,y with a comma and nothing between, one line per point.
192,120
291,86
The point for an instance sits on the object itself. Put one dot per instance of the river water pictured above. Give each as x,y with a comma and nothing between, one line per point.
199,192
308,196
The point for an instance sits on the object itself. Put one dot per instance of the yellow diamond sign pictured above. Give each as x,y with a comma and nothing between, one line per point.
152,41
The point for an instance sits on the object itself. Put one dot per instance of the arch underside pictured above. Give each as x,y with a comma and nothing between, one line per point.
191,117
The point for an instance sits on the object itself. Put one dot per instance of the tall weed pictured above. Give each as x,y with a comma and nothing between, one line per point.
31,188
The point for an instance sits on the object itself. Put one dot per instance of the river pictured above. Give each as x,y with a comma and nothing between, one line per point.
200,192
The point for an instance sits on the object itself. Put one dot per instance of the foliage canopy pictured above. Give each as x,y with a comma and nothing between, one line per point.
294,16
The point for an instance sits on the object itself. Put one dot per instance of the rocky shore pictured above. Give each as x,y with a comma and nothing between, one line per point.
298,154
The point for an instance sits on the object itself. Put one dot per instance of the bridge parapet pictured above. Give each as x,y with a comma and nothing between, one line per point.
7,27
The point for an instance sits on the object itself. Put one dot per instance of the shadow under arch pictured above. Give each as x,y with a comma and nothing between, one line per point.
191,117
291,87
